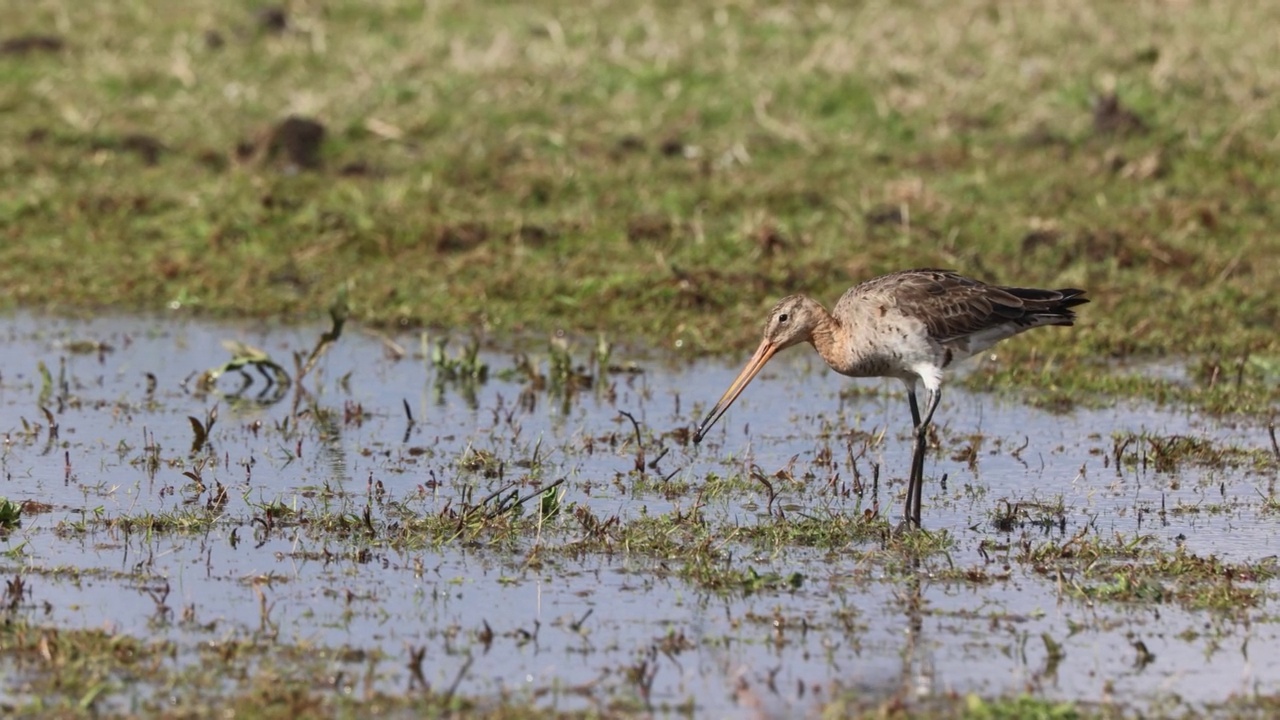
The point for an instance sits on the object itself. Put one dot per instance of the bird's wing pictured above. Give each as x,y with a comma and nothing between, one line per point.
950,305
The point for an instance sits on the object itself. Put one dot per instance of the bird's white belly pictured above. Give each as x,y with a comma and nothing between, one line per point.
900,356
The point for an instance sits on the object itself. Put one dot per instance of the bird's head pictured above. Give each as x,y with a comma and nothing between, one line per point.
792,321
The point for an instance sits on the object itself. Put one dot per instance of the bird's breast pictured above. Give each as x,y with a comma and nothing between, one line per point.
887,347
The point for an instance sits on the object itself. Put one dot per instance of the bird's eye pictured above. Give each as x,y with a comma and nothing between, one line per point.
782,318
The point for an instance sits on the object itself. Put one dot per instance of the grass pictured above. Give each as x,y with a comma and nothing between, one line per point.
84,672
655,171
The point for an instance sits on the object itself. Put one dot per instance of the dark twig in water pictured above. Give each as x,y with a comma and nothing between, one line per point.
773,494
408,428
576,626
201,430
511,501
462,672
338,313
540,491
1275,446
639,442
496,493
416,678
653,464
266,530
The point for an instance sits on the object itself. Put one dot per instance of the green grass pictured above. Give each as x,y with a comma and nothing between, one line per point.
657,171
81,673
662,173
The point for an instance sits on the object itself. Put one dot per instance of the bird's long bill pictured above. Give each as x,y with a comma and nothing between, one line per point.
757,361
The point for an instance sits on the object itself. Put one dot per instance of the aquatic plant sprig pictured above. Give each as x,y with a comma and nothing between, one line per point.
466,366
244,356
339,311
278,380
10,515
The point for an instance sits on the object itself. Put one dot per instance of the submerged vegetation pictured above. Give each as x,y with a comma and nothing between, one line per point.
373,509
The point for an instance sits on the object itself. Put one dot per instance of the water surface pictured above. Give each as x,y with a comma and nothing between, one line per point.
595,629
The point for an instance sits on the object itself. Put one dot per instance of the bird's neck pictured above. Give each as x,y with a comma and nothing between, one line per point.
826,338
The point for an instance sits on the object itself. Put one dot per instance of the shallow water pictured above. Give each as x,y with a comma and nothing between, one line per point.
569,630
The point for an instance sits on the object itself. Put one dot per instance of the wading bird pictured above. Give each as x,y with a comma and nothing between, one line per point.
909,325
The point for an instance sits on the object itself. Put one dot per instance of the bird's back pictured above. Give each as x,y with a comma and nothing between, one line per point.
953,313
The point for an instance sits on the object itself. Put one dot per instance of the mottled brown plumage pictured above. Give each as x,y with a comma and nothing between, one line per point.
908,325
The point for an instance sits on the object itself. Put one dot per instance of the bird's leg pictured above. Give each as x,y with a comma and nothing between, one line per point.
911,513
916,479
934,397
915,409
917,460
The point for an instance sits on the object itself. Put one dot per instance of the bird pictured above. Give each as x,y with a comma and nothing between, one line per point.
910,325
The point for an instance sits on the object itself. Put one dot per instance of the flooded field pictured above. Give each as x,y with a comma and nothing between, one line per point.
532,523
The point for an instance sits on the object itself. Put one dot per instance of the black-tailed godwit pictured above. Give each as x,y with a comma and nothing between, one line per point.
909,325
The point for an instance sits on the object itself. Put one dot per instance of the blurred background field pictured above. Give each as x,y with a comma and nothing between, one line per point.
658,170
